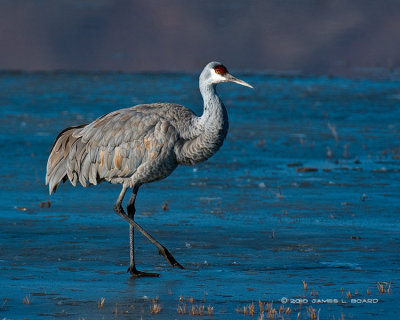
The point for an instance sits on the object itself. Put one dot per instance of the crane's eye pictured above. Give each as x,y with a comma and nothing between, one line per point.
220,69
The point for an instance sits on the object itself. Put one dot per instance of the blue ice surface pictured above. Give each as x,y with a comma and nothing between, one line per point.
249,224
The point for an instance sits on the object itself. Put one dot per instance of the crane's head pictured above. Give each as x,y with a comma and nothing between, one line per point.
216,72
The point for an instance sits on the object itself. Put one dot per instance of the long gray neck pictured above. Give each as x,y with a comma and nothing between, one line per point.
214,115
211,129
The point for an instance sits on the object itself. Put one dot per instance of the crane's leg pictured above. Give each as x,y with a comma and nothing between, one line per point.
120,211
131,214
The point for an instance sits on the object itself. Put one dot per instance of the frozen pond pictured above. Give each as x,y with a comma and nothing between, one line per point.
301,204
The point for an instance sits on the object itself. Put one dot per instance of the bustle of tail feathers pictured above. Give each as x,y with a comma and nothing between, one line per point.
59,167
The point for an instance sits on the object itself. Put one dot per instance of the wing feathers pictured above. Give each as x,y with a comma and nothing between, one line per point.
112,147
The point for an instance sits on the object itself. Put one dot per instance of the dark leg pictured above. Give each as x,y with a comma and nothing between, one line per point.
120,211
131,214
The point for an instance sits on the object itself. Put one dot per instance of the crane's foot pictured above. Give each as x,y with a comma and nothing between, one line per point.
138,274
168,256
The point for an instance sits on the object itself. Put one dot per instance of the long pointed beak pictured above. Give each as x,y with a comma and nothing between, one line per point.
231,78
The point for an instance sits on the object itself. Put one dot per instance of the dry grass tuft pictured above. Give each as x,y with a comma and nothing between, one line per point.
242,310
268,307
283,311
210,310
264,307
267,311
247,309
188,299
100,304
271,314
313,313
197,310
181,309
314,293
155,307
261,306
384,287
251,309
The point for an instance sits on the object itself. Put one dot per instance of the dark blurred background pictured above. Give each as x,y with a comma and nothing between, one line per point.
310,36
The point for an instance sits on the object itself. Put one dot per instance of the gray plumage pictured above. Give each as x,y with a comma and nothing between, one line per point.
144,143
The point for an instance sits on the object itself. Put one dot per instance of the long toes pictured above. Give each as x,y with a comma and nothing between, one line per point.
138,274
168,256
175,263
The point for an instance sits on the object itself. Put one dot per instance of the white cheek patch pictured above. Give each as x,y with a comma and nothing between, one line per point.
216,77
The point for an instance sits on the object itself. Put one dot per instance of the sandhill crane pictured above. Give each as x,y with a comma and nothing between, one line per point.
142,144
